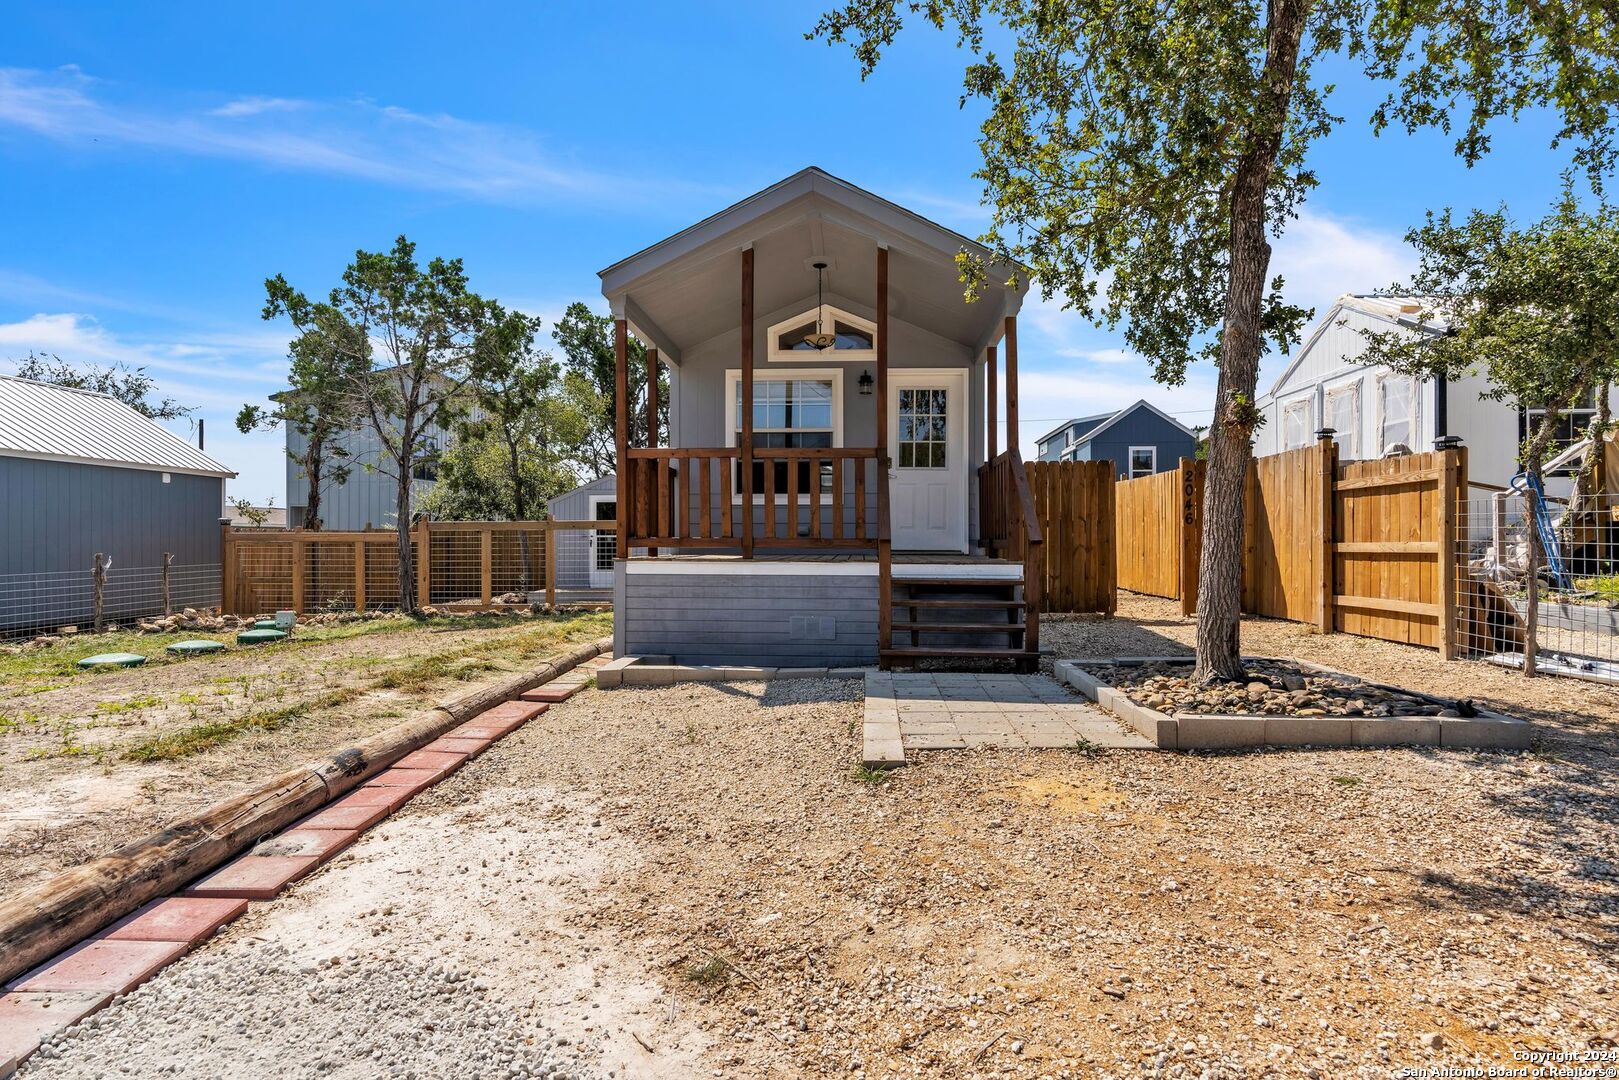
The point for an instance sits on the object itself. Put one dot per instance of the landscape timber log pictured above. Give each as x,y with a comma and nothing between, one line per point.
39,923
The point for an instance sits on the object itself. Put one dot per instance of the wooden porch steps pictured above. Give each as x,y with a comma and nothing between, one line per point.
961,608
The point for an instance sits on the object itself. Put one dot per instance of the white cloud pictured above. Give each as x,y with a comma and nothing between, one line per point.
253,106
214,373
1320,257
387,144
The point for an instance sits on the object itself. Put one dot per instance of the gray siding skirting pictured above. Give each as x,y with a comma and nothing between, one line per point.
771,620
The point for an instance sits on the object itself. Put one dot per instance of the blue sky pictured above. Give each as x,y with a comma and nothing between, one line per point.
159,161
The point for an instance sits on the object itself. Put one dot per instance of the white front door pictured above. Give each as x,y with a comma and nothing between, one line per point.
603,542
927,437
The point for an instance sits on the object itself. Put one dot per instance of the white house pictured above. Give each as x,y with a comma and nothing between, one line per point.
1376,412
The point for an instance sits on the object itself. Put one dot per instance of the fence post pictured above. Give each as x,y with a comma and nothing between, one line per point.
299,568
1328,465
1449,470
100,579
424,572
1111,561
486,566
168,561
1191,535
550,565
1531,617
359,575
227,569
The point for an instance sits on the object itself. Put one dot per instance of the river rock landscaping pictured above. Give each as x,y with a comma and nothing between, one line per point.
1272,688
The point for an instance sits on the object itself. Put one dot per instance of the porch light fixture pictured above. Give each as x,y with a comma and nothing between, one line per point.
820,339
866,383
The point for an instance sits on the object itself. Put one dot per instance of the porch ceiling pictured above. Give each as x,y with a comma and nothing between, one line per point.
687,289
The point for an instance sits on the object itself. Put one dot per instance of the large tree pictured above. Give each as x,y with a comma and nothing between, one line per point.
586,340
1162,146
133,386
416,334
320,405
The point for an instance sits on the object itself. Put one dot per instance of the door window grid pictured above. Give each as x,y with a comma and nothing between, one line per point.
924,425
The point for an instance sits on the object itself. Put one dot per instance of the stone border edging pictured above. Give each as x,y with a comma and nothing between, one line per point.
40,922
661,670
1206,731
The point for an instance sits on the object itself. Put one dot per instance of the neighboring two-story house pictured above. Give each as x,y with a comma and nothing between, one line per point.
1140,440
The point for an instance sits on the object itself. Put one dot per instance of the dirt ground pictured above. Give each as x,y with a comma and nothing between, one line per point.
92,759
693,881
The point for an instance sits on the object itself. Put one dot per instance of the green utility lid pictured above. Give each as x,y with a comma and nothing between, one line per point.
258,637
113,659
195,648
265,624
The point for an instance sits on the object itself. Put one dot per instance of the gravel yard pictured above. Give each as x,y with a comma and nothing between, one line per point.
90,760
693,881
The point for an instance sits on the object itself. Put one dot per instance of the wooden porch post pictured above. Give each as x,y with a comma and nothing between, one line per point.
747,403
992,405
1011,382
652,409
882,358
621,429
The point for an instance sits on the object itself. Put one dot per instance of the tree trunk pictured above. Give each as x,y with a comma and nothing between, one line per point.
408,600
314,464
1219,594
519,510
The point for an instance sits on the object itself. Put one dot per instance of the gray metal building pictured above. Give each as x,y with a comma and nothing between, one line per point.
585,557
82,473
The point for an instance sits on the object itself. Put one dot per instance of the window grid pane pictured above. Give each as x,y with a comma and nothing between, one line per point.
924,427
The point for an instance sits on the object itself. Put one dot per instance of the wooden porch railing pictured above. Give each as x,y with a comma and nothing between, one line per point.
1009,526
807,498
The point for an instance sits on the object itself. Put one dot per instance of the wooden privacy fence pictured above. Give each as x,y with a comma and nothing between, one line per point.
1156,529
467,563
1363,547
1074,502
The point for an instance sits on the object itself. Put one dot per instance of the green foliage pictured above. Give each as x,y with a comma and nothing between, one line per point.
131,386
589,386
1116,129
1535,309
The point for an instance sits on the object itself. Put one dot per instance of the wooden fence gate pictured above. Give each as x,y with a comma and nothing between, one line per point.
1362,547
1074,502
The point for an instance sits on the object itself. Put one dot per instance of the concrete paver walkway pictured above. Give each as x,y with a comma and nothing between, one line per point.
948,711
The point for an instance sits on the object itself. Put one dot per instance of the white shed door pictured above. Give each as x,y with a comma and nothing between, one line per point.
927,438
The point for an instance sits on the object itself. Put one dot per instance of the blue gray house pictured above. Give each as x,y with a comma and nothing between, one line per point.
1140,440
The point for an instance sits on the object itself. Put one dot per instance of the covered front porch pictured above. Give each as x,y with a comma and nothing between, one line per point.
784,485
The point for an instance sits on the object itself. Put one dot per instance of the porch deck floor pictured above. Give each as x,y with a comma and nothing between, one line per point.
945,711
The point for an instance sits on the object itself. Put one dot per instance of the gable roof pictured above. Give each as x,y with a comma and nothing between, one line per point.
1394,309
811,179
60,423
1066,424
1114,418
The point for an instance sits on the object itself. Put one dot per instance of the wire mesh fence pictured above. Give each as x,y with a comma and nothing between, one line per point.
33,604
1540,588
467,564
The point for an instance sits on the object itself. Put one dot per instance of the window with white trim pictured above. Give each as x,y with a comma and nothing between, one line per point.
1143,461
789,412
855,338
1571,426
1396,414
1343,417
1296,424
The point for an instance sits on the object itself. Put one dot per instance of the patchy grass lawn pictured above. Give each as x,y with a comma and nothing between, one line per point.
91,758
